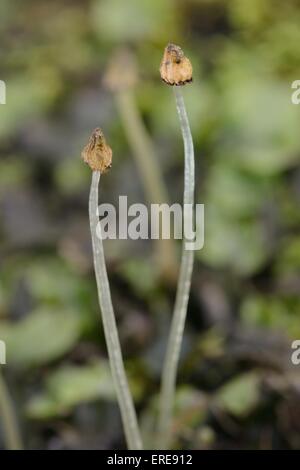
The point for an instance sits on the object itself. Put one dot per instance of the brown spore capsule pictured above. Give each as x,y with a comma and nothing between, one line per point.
175,68
97,153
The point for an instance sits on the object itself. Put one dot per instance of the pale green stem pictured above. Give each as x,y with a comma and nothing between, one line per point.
150,171
124,397
170,365
8,422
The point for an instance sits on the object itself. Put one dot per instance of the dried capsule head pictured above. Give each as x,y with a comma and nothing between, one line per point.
97,153
175,68
121,72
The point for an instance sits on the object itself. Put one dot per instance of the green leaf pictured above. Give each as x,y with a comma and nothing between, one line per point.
275,313
190,407
50,280
70,386
27,97
122,21
141,275
69,176
260,133
235,193
288,260
232,243
240,396
41,337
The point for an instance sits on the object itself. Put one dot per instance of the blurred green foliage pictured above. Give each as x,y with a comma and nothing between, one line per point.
240,396
247,277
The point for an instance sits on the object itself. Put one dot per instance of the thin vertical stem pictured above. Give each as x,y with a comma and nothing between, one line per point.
125,400
9,423
170,365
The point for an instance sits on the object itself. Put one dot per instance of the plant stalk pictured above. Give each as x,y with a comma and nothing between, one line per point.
124,397
9,423
170,365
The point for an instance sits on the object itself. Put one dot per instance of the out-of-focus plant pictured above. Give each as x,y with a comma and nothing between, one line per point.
9,423
121,78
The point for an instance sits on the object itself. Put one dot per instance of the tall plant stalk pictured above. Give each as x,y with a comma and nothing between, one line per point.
110,328
98,155
170,365
9,423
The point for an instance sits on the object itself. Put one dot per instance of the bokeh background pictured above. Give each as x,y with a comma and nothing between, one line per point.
237,387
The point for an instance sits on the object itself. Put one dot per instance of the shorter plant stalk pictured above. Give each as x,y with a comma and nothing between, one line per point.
124,397
9,424
170,365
